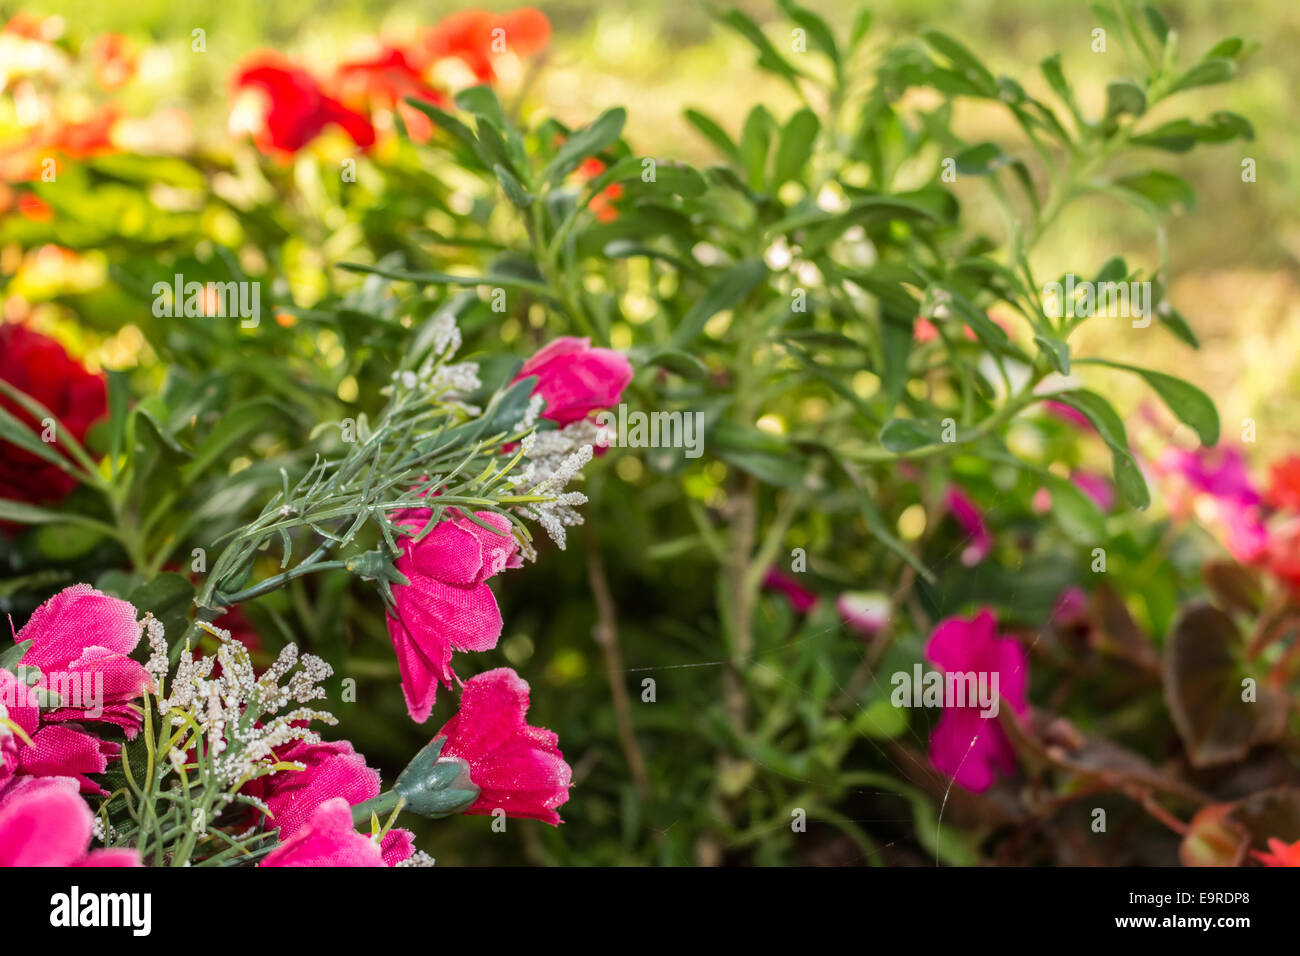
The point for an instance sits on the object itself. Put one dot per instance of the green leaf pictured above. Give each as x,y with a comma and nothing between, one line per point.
119,404
168,597
1208,72
1055,76
768,58
965,61
901,435
1164,191
755,142
10,656
13,430
24,513
482,101
601,134
876,525
1074,511
1098,411
714,133
447,123
443,278
67,541
1124,96
861,26
1159,26
1055,351
681,363
1181,135
516,193
981,159
1191,405
241,420
818,32
734,284
795,146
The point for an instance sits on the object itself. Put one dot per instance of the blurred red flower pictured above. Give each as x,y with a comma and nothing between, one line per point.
475,36
39,366
284,108
1284,483
602,204
384,81
113,57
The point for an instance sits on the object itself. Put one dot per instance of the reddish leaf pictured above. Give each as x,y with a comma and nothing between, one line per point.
1203,689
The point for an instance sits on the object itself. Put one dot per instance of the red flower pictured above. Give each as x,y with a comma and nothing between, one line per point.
475,36
1281,553
1281,854
384,81
448,604
284,107
1284,483
114,58
602,204
92,138
40,367
516,767
576,379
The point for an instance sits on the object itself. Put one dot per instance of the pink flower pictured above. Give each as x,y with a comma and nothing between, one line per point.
964,745
1220,472
518,768
864,611
44,822
60,750
576,379
328,838
1070,609
81,639
800,598
972,522
329,770
1216,485
448,604
1097,487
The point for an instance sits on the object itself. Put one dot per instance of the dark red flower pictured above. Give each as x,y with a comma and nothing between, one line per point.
284,108
39,366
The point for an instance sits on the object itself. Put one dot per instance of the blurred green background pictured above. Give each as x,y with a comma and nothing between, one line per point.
1235,280
1234,262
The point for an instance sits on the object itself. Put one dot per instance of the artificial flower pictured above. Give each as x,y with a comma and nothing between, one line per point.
447,605
516,767
44,822
328,838
576,379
